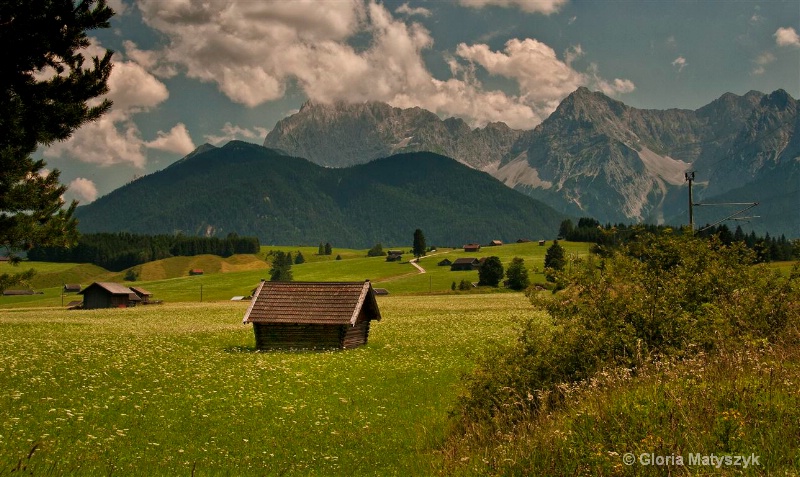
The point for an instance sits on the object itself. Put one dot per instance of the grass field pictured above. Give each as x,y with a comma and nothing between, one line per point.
224,278
179,390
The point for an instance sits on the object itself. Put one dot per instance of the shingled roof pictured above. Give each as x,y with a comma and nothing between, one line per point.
112,288
331,303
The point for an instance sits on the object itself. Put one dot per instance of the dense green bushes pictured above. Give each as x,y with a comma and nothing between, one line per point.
659,298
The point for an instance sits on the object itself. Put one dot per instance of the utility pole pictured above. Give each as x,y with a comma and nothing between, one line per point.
734,216
690,177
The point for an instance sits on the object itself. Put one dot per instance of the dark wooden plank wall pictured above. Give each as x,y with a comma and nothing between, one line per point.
355,336
296,336
309,336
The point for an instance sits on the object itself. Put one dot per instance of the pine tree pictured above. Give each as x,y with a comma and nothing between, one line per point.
38,109
321,250
517,275
419,244
281,270
328,249
554,259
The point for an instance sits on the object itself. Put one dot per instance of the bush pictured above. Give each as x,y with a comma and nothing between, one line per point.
663,297
376,251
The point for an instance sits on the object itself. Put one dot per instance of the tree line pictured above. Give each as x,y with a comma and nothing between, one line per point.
118,251
609,236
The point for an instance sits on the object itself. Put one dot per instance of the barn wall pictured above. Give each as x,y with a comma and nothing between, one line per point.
355,336
297,336
96,298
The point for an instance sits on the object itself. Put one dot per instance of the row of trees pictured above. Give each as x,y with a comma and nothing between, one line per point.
124,250
611,236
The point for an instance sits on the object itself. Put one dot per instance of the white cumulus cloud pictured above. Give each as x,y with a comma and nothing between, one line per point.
115,138
84,190
680,63
355,50
231,132
762,61
787,37
177,140
532,6
406,10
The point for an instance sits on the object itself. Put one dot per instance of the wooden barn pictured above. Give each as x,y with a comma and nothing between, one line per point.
445,263
495,243
143,294
394,256
108,295
312,315
465,264
72,287
472,247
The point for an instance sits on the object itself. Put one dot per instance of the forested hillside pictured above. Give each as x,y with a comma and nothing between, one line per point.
255,191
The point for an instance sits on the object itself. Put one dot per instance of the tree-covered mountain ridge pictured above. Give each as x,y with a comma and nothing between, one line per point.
256,191
593,156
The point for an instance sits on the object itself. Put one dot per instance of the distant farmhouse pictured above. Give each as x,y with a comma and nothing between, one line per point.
472,247
72,287
143,294
394,256
312,315
465,264
495,243
108,295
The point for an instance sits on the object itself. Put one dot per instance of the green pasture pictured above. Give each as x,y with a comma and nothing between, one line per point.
240,274
178,389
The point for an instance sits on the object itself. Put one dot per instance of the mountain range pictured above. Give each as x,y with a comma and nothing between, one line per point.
251,190
593,156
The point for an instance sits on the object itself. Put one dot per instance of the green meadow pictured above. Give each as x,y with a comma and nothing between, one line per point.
178,389
223,278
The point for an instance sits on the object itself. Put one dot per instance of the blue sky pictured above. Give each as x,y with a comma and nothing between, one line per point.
189,72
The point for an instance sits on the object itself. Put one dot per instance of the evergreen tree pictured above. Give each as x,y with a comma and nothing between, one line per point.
554,259
491,272
419,244
517,275
321,250
299,258
376,251
566,228
328,249
38,108
281,270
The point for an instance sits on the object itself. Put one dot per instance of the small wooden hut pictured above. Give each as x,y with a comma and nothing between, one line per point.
465,264
143,294
108,295
472,247
312,315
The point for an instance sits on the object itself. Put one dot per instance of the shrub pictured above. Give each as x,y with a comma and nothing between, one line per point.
663,297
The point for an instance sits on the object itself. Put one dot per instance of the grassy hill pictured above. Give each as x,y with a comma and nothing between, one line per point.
168,279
